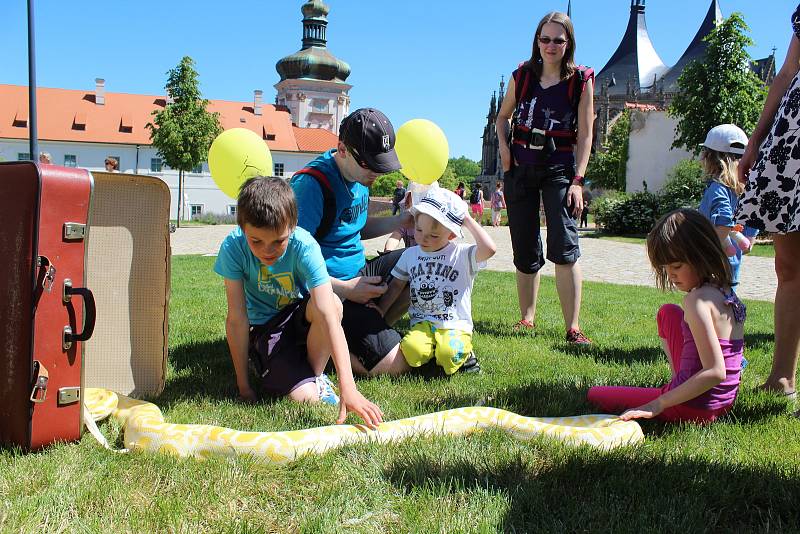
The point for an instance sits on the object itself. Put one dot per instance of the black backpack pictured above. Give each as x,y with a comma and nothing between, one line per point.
474,197
522,87
328,200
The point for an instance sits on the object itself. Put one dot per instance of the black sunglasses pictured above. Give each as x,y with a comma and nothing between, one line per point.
547,40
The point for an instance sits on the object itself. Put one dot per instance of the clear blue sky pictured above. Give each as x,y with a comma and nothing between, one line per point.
433,59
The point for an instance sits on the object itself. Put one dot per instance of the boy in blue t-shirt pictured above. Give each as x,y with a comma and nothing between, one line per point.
282,311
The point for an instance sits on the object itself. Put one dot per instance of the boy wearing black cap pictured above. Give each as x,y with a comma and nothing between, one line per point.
333,201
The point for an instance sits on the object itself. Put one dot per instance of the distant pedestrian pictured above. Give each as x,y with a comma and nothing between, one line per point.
460,190
587,199
498,204
112,165
397,197
476,202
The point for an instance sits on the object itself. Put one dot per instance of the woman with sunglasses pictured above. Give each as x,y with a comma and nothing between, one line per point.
544,155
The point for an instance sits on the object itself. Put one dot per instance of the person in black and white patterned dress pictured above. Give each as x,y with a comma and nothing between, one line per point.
770,168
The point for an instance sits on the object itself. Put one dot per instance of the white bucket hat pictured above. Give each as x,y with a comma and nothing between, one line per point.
726,138
444,206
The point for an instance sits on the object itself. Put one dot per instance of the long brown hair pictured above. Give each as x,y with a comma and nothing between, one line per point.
568,66
686,236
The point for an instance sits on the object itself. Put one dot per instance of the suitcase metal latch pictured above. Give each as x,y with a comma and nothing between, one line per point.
40,384
66,338
49,273
73,230
69,395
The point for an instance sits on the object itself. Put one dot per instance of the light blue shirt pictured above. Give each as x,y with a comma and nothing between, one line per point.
341,247
719,204
268,289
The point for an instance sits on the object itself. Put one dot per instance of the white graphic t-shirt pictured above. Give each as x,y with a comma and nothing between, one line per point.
440,284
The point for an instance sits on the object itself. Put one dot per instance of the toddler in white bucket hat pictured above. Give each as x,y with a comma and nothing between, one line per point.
440,274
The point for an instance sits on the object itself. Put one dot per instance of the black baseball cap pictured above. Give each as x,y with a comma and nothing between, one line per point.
370,133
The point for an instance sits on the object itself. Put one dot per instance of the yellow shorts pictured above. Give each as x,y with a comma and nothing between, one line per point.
424,341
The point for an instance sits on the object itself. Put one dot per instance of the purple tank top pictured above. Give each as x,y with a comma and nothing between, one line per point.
724,393
545,109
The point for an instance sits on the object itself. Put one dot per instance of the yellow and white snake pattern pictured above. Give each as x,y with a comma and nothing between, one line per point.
146,430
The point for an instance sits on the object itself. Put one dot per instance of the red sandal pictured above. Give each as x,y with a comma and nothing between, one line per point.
524,324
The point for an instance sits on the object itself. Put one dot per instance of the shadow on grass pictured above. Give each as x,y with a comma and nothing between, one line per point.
610,354
503,329
758,340
199,368
535,399
621,491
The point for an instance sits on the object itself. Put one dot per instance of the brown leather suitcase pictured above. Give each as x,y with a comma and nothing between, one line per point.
47,312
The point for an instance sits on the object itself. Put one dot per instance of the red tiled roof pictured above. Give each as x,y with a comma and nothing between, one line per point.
72,115
314,139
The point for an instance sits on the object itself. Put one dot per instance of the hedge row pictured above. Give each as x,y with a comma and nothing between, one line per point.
635,213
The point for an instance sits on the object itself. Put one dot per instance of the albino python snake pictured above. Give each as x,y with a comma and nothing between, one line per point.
146,430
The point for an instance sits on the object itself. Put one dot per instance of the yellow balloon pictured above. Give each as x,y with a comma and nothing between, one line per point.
236,155
422,149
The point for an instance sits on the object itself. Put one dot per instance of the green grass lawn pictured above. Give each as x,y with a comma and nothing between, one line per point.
740,474
764,250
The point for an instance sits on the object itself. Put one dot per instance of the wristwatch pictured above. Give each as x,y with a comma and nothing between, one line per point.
577,180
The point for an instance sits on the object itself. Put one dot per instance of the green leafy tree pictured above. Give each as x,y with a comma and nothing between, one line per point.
182,132
449,180
384,185
607,169
720,89
464,168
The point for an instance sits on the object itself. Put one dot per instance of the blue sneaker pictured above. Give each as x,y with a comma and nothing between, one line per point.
326,391
744,363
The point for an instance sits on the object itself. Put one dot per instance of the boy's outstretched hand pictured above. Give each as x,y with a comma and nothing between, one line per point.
354,401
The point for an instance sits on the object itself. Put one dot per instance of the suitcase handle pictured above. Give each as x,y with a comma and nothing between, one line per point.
89,318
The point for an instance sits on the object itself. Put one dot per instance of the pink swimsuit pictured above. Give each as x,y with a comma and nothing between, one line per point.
686,363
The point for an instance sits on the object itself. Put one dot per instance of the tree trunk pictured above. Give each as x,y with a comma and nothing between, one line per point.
180,197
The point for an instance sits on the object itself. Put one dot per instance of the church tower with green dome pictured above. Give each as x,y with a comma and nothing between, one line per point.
312,85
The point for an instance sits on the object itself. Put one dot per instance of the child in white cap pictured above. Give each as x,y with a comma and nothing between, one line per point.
440,274
722,149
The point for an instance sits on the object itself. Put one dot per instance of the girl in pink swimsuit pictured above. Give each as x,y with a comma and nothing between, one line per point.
703,340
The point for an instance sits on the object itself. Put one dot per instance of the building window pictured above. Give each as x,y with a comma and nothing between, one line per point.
155,164
278,169
195,210
70,160
23,156
320,105
198,169
232,209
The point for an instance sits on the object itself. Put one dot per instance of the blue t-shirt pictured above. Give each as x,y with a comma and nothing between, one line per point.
341,248
719,205
268,289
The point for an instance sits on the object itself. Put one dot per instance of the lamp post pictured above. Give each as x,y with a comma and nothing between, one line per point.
32,130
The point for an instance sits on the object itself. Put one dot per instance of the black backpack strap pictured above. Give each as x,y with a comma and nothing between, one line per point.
579,79
522,77
328,200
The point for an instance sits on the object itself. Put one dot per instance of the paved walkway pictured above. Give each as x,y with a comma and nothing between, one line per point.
603,260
